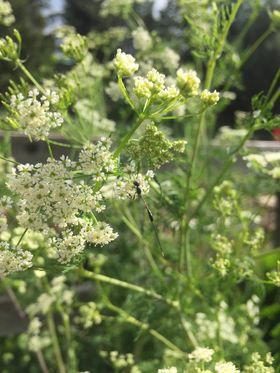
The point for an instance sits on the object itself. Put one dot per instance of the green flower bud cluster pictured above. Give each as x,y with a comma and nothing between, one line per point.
10,49
75,46
154,148
258,365
209,98
121,361
153,87
188,82
255,241
274,276
223,248
116,8
275,18
89,315
226,261
225,198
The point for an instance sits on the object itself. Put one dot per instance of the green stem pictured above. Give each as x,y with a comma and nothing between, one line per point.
189,333
219,178
125,94
126,285
15,301
29,76
247,55
72,360
213,60
127,137
144,326
145,245
195,150
267,253
185,255
42,361
54,338
184,246
21,313
180,116
255,46
9,160
64,145
249,23
272,86
49,149
275,97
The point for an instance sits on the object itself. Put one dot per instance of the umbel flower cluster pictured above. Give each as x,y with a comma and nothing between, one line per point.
267,163
201,361
155,87
55,199
13,259
34,114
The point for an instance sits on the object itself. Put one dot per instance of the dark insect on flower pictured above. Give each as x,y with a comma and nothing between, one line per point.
149,212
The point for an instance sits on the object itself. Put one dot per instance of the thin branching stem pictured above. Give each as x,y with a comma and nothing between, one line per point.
29,76
128,136
145,327
126,285
57,351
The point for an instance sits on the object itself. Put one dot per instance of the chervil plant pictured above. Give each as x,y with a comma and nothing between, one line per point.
141,249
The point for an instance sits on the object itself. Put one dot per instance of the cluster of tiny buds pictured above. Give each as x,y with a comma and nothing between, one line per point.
209,98
188,82
74,46
9,49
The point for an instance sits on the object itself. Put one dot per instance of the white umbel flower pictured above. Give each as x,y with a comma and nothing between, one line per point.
125,187
34,114
13,259
49,195
226,368
170,58
68,246
96,159
125,64
168,370
142,40
99,234
201,354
